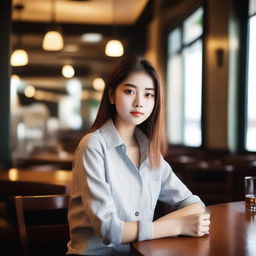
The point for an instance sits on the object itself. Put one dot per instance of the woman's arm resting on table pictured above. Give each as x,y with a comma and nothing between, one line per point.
189,220
185,211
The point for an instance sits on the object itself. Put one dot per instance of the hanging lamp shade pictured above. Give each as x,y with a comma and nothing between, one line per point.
19,58
68,71
53,41
114,48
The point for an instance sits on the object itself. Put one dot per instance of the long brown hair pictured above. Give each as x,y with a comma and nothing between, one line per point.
153,127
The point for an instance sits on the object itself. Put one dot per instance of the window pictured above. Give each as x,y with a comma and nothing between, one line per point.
250,144
184,81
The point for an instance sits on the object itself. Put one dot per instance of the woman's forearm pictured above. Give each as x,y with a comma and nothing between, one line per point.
188,220
130,232
185,211
160,229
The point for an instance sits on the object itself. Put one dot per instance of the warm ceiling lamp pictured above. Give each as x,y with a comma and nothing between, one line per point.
68,71
114,48
19,57
98,84
92,37
53,40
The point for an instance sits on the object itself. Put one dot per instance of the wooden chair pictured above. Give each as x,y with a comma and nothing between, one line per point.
9,189
180,162
42,224
240,160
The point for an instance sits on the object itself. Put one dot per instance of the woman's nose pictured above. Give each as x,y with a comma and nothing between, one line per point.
138,102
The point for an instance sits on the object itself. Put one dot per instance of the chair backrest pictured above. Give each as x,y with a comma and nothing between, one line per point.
9,189
213,183
42,224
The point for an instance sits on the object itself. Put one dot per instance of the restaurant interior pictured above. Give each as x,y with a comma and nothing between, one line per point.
205,53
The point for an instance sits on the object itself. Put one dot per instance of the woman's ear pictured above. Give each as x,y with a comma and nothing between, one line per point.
111,96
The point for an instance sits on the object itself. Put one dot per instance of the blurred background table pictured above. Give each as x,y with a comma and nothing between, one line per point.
57,177
58,160
232,232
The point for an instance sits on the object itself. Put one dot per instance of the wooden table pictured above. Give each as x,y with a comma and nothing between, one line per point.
232,232
62,159
58,177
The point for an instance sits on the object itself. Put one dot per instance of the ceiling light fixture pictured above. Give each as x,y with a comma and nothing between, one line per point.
98,84
92,37
29,91
53,40
114,47
71,48
19,57
68,71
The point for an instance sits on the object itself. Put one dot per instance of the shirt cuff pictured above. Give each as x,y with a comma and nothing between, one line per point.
145,230
191,200
113,235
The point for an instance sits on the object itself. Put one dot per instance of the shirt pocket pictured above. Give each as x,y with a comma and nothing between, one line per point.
154,190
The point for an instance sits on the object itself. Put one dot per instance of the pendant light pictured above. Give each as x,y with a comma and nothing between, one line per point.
68,71
114,47
19,57
53,40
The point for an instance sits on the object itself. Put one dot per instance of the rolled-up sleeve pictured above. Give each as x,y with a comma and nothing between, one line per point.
96,194
145,230
174,191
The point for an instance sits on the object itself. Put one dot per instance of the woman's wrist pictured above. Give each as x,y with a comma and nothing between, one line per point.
167,228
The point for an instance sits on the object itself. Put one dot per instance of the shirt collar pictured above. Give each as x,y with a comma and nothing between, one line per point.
110,134
113,139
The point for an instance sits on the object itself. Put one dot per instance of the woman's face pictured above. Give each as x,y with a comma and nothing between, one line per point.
134,99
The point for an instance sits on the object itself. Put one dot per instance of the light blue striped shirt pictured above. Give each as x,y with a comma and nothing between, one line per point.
108,190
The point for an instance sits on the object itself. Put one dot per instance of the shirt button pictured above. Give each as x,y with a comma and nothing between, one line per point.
137,213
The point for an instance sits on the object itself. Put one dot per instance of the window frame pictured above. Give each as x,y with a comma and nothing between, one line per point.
243,114
179,24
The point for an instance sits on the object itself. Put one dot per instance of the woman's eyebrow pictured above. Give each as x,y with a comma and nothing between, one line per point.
134,86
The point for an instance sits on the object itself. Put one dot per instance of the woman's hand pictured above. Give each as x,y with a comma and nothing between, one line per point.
194,225
190,220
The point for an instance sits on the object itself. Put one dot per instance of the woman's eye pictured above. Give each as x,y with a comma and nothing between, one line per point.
148,94
129,92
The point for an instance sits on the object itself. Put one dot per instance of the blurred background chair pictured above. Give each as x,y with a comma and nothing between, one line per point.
180,162
42,224
211,181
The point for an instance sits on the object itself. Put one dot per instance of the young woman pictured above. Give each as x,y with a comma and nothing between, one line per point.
119,172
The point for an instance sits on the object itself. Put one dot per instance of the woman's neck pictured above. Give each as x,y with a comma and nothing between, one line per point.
126,132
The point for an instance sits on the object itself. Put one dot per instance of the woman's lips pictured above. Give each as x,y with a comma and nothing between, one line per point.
136,113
